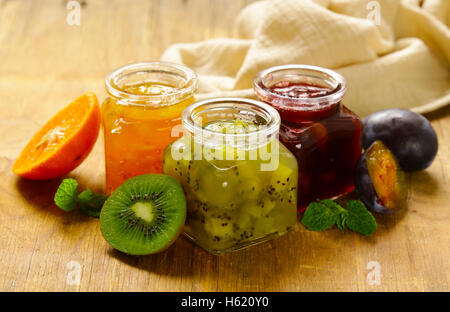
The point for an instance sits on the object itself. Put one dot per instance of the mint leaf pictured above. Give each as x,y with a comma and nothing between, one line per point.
91,204
67,198
320,216
341,222
66,195
332,204
359,219
326,213
86,196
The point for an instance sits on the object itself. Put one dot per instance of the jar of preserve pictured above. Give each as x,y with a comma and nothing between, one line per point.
316,127
240,182
145,103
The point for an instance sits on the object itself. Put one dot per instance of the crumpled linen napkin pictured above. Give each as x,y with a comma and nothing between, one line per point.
397,58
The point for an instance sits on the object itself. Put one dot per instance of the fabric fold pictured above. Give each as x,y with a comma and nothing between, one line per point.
399,58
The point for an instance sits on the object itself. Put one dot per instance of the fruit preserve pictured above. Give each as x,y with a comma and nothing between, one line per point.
145,105
316,127
240,182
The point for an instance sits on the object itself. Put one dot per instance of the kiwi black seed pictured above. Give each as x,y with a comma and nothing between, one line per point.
144,215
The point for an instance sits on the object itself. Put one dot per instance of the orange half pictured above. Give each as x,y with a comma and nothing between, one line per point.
63,142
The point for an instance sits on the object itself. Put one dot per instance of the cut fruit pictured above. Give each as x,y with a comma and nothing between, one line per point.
379,180
251,188
63,142
259,209
280,178
144,215
219,187
265,225
267,206
217,227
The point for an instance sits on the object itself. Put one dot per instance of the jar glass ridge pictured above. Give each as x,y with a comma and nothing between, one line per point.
295,74
179,76
228,109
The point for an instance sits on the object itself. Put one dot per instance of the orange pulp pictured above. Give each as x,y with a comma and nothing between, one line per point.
63,142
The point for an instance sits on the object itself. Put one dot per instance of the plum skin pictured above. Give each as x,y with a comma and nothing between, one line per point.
408,135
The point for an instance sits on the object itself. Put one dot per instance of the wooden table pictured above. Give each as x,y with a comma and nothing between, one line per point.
45,63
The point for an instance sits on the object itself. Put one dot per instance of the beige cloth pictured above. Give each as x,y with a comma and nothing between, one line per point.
401,62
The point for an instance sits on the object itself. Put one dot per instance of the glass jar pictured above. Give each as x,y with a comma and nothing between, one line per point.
240,182
145,104
322,133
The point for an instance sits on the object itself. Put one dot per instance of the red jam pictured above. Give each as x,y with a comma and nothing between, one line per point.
323,135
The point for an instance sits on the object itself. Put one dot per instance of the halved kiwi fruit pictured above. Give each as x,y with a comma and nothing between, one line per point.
144,215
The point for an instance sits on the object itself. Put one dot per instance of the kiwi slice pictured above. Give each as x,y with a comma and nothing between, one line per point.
144,215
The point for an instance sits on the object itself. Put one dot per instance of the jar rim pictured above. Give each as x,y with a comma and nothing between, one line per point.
309,71
191,112
190,86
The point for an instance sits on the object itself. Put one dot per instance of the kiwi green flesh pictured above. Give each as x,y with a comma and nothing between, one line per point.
144,215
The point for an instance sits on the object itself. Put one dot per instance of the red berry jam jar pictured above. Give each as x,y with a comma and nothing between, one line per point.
316,127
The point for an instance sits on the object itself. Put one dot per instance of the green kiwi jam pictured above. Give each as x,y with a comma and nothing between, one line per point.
236,194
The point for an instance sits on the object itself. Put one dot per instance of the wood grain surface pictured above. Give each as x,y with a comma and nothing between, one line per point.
45,64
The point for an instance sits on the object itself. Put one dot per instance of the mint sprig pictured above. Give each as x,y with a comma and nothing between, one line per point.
66,195
325,213
359,219
67,198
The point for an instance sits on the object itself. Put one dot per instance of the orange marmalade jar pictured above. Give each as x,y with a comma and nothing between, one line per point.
141,115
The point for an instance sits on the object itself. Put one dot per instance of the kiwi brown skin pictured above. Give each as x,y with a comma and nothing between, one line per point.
125,231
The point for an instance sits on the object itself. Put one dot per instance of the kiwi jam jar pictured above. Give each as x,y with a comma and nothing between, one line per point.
240,182
316,127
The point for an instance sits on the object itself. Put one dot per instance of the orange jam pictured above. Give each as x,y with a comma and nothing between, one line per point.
141,119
